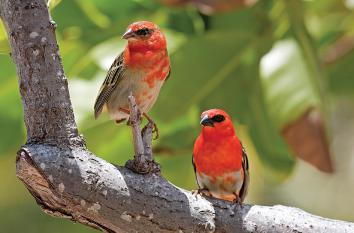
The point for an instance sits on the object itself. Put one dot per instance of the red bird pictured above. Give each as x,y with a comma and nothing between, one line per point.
140,69
219,159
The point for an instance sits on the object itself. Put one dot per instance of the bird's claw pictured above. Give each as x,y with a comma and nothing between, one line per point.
122,120
154,126
154,129
238,202
230,208
202,192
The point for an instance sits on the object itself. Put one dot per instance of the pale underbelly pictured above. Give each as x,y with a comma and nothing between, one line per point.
145,97
228,184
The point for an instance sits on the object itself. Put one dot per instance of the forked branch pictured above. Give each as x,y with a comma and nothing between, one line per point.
143,161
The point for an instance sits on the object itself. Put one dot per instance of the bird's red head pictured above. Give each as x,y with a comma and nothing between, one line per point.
143,36
216,123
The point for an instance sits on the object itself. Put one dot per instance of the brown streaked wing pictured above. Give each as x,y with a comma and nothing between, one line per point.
114,75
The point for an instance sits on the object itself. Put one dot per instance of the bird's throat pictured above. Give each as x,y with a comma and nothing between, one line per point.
143,58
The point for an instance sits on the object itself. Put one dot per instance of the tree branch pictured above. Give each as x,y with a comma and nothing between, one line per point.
75,184
68,181
143,161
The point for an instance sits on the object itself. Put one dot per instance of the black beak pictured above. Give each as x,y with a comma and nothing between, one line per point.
128,34
206,121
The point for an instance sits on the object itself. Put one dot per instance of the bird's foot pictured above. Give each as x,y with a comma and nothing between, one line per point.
231,210
202,192
238,202
155,129
120,121
150,120
126,111
235,204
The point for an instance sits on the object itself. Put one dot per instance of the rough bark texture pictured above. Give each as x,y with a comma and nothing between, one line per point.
143,161
69,181
75,184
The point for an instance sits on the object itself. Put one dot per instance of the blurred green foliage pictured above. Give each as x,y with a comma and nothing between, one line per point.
265,65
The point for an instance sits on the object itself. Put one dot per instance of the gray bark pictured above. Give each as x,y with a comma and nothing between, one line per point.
75,184
143,161
69,181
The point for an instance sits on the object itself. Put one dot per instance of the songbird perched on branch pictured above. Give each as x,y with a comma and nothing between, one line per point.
140,69
219,159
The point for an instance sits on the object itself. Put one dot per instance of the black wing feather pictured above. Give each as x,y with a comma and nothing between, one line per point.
246,179
169,73
195,171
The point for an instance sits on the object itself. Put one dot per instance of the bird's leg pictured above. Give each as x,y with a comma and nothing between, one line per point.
155,129
120,120
126,111
237,201
202,192
231,209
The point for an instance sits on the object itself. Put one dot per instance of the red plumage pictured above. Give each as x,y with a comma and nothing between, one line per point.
219,159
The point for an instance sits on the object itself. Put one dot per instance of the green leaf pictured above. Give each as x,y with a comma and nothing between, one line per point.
92,13
4,44
286,83
194,75
178,137
229,79
52,4
341,80
243,100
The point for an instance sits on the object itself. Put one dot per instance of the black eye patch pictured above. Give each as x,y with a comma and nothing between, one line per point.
218,118
143,32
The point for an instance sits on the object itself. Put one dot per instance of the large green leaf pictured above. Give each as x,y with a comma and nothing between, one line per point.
197,68
225,75
341,81
286,82
4,44
243,99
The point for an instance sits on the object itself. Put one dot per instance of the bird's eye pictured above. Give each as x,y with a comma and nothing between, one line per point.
218,118
143,32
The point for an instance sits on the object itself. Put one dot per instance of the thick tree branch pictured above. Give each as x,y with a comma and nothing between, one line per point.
75,184
69,181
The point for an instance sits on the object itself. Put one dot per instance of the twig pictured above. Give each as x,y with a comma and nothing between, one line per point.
146,134
143,159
